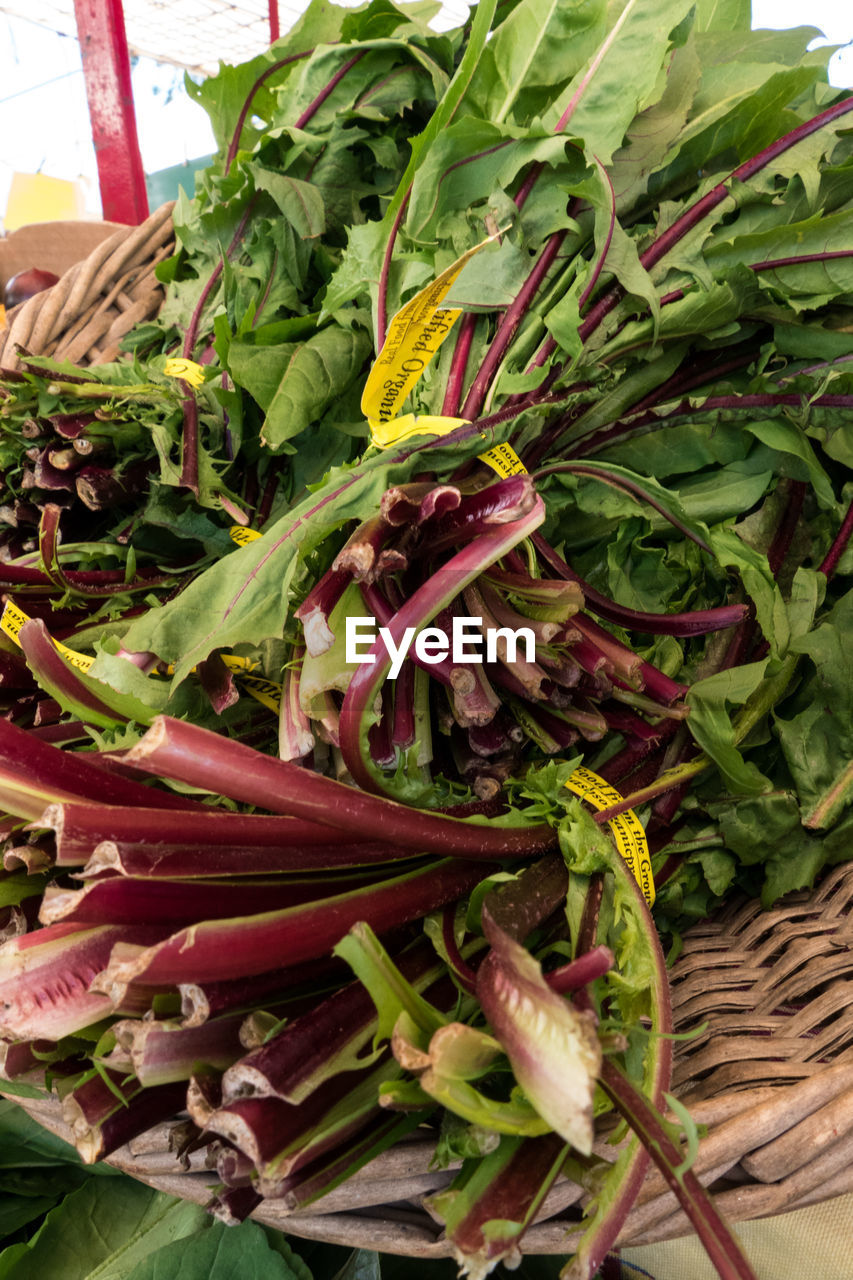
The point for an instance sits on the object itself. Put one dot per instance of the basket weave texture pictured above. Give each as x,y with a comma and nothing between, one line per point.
766,996
84,317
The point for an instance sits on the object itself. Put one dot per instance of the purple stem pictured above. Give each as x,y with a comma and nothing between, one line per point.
695,623
578,973
459,366
80,826
382,300
773,263
432,596
829,564
461,970
205,759
276,66
701,208
719,1243
508,326
685,410
312,109
602,257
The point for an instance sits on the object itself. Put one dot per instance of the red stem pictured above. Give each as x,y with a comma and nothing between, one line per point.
276,66
830,561
314,107
382,300
506,330
694,215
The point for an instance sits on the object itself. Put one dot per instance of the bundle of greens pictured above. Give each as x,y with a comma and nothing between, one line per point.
615,268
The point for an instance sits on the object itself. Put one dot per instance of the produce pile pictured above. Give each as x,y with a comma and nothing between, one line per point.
539,330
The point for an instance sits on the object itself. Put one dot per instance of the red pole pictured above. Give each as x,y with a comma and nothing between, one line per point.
106,68
275,29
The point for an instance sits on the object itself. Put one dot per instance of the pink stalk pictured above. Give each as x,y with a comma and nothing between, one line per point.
326,92
127,900
830,562
34,774
459,366
204,759
578,973
79,827
187,862
508,326
100,1122
161,1053
421,607
217,950
382,300
234,146
324,1040
92,582
295,739
45,978
314,611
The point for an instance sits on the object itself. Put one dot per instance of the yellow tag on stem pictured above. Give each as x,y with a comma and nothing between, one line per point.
627,830
414,336
242,536
188,370
504,460
386,434
264,691
14,618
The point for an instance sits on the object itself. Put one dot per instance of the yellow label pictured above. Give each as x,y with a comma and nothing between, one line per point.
2,315
233,663
229,660
384,434
14,618
179,367
266,692
504,460
242,536
626,827
414,336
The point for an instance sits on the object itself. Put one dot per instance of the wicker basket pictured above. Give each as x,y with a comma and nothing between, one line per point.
84,317
771,1074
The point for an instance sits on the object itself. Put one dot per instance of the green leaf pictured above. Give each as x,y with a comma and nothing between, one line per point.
389,990
25,1144
245,597
102,1231
469,161
19,1211
723,15
817,738
532,54
752,566
815,236
712,728
300,202
786,437
621,78
297,382
218,1252
19,886
654,130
